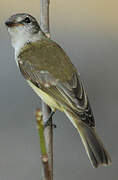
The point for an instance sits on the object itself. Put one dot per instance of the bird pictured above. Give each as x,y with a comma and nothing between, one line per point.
50,73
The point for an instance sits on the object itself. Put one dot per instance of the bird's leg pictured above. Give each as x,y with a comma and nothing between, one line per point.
48,121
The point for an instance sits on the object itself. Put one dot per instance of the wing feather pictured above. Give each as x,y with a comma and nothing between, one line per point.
70,94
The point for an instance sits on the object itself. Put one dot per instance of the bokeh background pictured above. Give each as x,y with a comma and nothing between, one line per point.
88,31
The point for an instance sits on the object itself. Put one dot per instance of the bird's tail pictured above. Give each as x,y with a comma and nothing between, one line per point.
92,143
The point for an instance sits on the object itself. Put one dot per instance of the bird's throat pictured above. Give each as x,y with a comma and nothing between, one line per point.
18,42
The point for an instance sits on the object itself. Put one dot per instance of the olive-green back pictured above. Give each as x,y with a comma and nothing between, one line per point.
46,55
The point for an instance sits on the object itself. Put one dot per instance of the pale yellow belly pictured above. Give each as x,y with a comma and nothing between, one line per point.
46,98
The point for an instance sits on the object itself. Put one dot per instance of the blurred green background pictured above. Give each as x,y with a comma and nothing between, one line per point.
88,31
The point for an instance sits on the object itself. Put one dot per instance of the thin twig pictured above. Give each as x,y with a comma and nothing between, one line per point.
48,136
44,24
44,16
46,175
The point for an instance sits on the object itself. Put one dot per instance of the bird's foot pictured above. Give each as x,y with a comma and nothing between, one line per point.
49,121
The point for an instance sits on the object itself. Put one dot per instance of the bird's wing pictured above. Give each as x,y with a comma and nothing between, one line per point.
74,91
70,94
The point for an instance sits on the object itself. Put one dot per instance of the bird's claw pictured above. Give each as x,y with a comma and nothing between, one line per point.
49,123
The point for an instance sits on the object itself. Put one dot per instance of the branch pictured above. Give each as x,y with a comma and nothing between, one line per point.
48,136
46,175
44,16
44,24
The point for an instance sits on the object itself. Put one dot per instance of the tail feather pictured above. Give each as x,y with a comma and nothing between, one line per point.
93,145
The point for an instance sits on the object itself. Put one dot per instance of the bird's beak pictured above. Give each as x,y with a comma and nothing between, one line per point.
9,23
12,24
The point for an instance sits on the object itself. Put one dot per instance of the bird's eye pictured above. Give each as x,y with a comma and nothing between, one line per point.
27,20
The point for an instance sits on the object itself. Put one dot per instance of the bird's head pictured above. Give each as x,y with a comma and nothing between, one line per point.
22,24
23,28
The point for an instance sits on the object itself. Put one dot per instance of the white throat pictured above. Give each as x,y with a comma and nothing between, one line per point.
19,39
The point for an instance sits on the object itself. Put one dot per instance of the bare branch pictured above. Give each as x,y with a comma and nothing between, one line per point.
48,136
46,175
44,24
44,16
